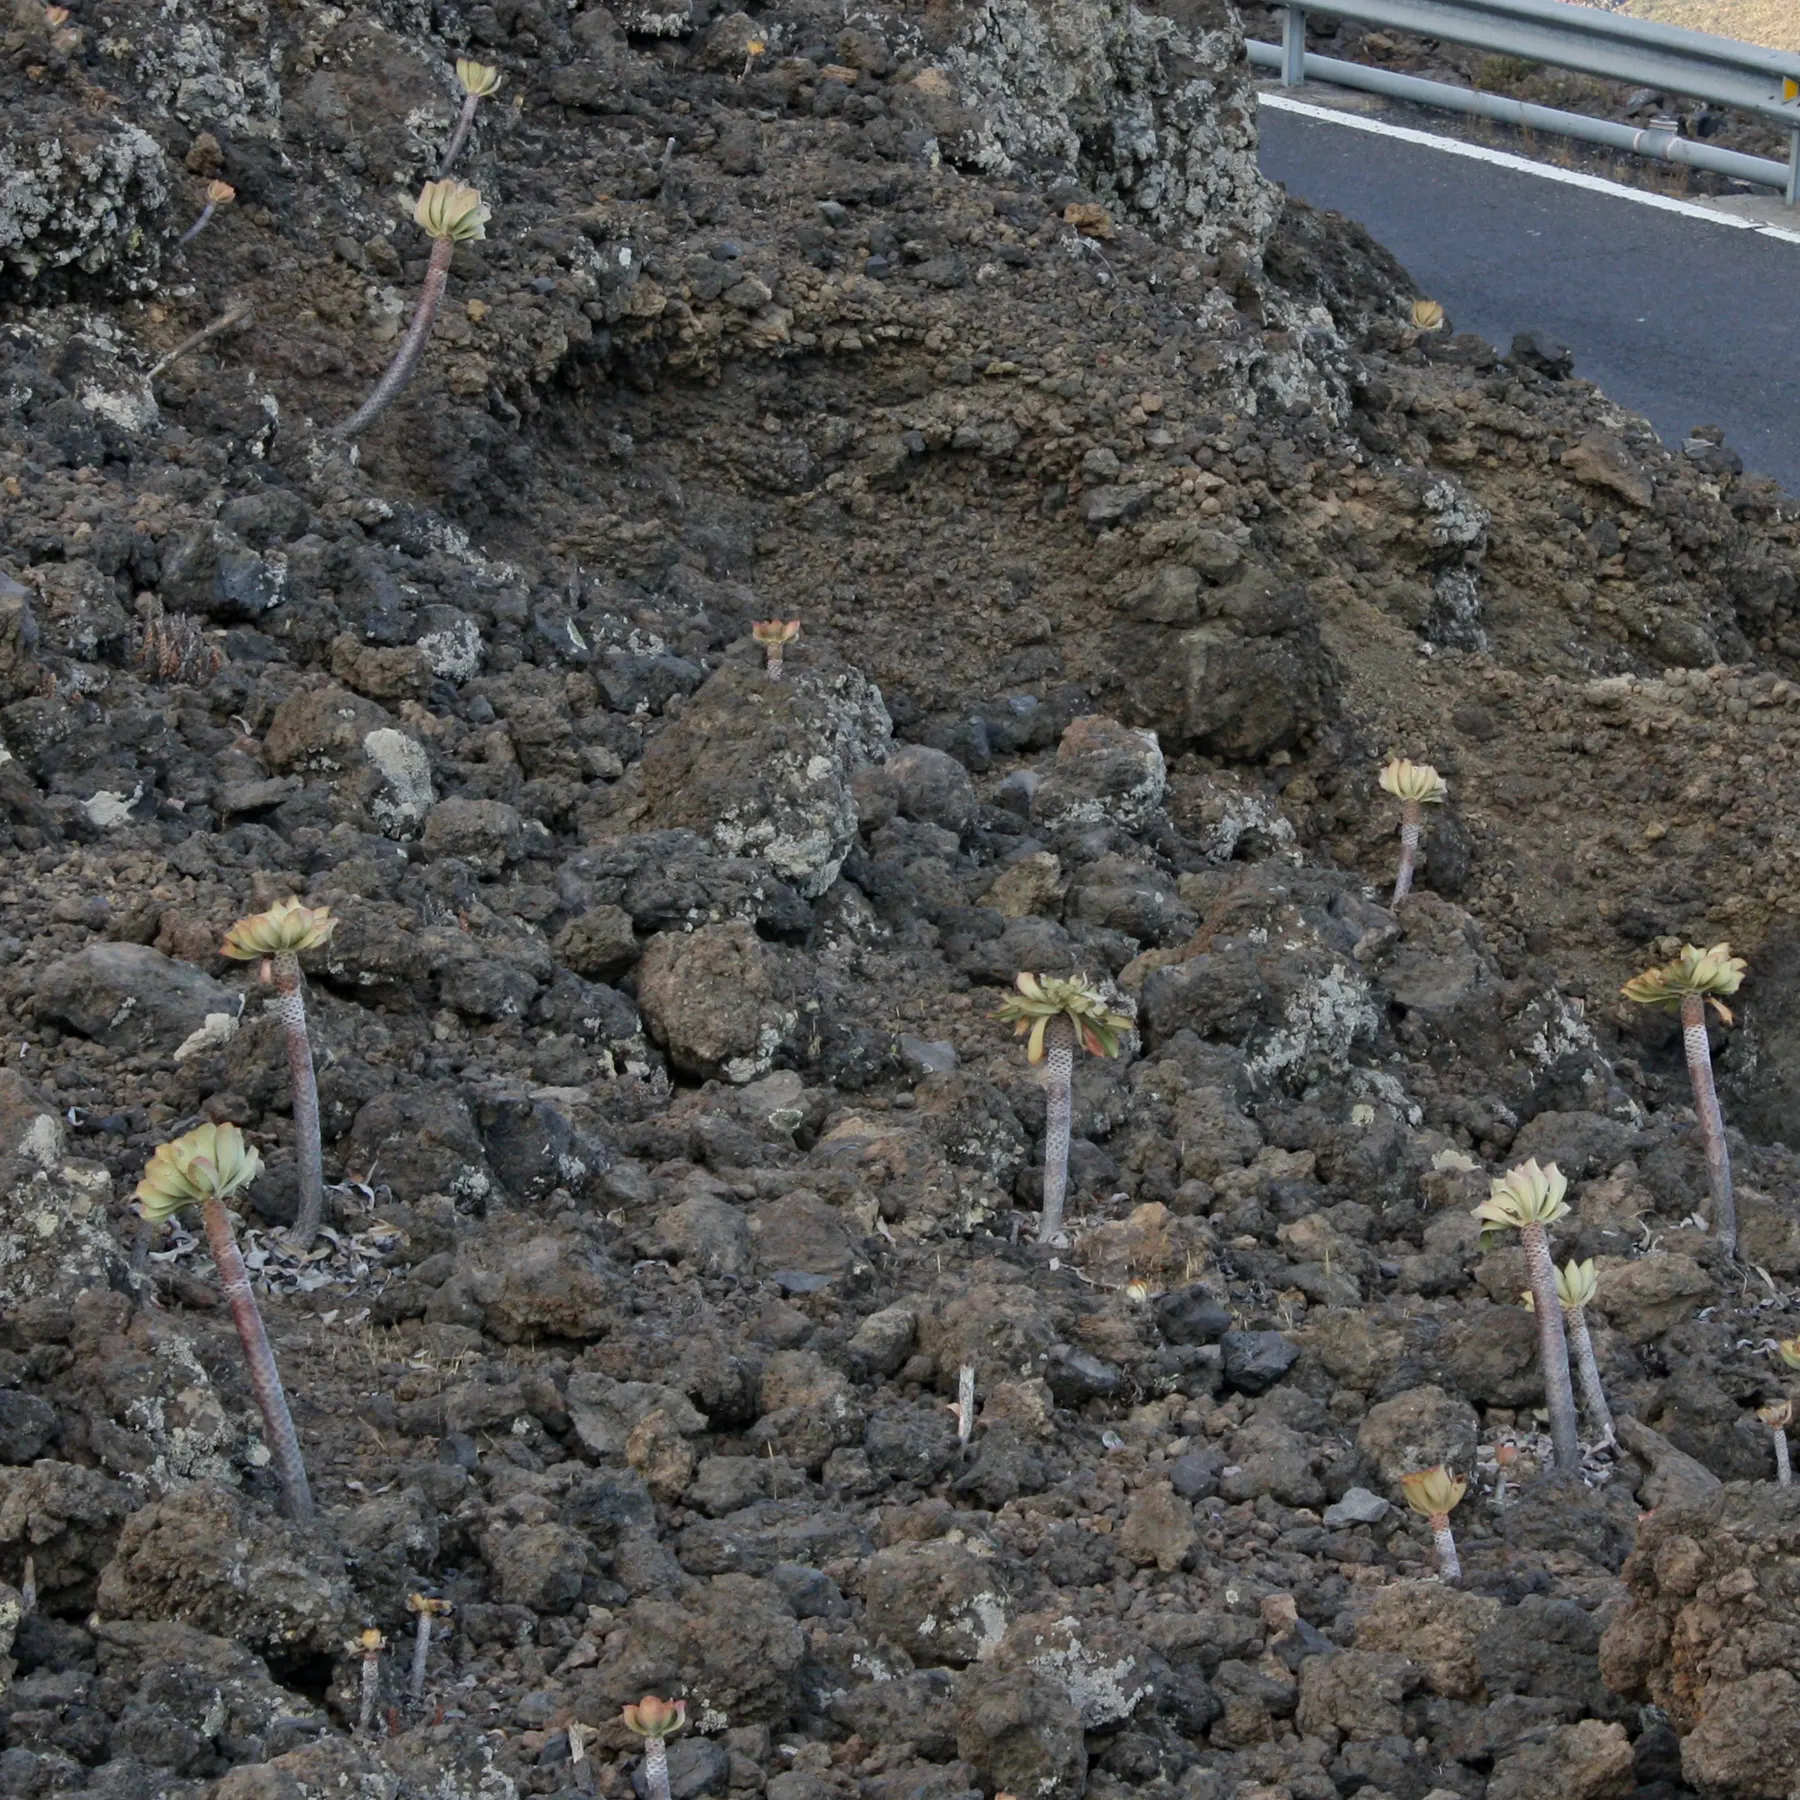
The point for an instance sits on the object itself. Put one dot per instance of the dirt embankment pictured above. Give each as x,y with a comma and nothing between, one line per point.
679,1169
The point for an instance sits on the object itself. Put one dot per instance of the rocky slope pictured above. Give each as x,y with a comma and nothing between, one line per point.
679,1168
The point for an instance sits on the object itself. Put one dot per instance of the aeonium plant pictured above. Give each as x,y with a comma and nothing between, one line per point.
1054,1013
774,635
206,1167
1576,1285
1693,981
450,214
477,80
1435,1494
1415,786
1529,1199
218,193
656,1721
275,939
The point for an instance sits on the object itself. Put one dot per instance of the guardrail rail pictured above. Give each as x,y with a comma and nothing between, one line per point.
1694,64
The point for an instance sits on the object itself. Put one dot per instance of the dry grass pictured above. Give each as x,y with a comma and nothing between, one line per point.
1775,23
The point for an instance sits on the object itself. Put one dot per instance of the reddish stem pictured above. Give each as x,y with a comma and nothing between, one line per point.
265,1379
464,120
412,346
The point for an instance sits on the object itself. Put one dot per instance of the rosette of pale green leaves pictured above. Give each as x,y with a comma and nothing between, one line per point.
1527,1195
1041,998
285,929
477,78
211,1162
1433,1492
1576,1285
451,209
1708,973
1418,782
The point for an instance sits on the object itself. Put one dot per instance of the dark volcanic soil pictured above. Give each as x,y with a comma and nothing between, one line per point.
678,1167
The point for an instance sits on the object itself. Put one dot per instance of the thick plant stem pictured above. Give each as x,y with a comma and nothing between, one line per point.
289,1006
371,1693
1784,1469
1553,1350
774,669
1712,1122
1593,1395
1449,1563
421,1656
656,1768
412,346
1059,1073
965,1406
1410,833
265,1380
460,135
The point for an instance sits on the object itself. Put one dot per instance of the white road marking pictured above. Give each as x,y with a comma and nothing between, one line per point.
1523,165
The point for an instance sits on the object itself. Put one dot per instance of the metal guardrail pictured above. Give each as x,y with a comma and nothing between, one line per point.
1696,64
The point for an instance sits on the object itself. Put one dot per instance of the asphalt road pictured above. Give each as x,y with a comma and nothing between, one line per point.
1682,320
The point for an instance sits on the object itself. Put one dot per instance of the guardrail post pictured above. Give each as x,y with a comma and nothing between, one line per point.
1293,48
1793,186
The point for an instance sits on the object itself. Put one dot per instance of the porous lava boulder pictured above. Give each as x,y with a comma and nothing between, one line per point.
1083,88
1419,1429
1105,774
733,1641
712,998
940,1602
204,1557
1712,1610
55,1243
763,768
79,189
1022,1732
131,997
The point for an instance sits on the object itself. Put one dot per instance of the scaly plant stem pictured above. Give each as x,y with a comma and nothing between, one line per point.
421,1656
1059,1074
371,1693
965,1406
1553,1349
1410,832
656,1768
412,346
1449,1564
1712,1122
1593,1395
460,135
1784,1469
265,1379
289,1006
